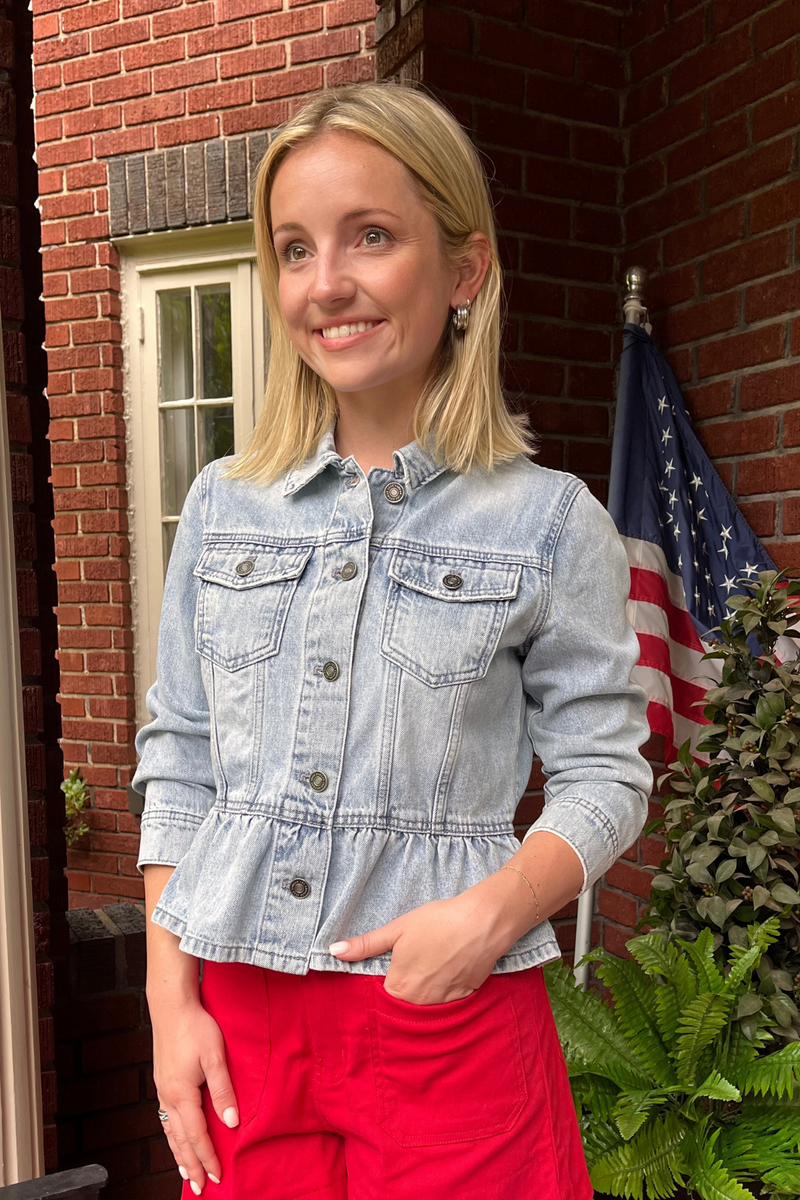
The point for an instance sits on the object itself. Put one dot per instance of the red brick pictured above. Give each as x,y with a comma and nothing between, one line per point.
759,79
84,685
679,204
760,516
778,25
629,879
643,179
125,34
773,297
574,262
597,145
252,62
645,99
95,67
66,100
575,101
700,320
710,63
324,45
566,341
86,730
182,20
45,78
154,54
711,146
89,16
184,75
60,50
667,47
349,70
766,388
192,129
256,117
596,25
776,473
751,436
234,10
713,400
122,87
347,12
791,428
698,238
740,350
224,95
726,13
270,29
606,67
666,128
791,515
776,206
760,256
616,907
776,114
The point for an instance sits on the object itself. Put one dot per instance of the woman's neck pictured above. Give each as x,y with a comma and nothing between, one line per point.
371,435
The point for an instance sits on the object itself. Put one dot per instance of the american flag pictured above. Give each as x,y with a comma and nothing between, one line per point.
689,547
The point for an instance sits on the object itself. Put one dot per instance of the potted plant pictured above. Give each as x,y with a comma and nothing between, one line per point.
731,825
670,1088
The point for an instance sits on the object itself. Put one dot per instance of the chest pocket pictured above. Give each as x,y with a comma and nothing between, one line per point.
444,615
243,600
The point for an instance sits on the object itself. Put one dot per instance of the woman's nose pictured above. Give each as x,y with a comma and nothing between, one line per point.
331,281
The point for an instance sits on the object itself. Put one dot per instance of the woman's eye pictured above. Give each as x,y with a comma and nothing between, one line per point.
294,252
374,237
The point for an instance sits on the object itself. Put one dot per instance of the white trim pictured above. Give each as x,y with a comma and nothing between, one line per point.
21,1133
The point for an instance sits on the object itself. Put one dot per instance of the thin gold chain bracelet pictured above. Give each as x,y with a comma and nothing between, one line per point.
530,885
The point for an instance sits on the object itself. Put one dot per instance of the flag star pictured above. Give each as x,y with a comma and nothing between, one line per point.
669,468
725,532
749,570
680,563
700,513
729,584
673,498
666,436
677,531
696,564
708,577
696,481
697,597
710,608
724,550
662,403
663,489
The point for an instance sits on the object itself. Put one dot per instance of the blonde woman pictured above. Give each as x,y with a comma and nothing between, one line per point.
372,618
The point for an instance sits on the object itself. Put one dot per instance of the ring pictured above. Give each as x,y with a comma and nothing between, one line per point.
163,1116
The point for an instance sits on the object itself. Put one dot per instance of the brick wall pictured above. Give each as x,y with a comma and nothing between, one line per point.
117,77
106,1098
25,372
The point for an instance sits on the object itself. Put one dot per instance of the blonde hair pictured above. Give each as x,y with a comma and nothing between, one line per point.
462,407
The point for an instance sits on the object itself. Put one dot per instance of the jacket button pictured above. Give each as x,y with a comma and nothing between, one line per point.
348,570
331,671
452,581
300,888
318,781
394,492
245,567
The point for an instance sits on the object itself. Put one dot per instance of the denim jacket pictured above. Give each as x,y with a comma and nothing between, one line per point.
354,672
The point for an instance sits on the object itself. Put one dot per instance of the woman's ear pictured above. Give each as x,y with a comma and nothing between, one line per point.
475,256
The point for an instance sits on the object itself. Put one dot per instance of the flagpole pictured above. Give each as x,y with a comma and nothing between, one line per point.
634,313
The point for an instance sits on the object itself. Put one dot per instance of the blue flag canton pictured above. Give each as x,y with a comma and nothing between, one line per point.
705,538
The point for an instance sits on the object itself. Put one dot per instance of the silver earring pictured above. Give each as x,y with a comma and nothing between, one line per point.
461,316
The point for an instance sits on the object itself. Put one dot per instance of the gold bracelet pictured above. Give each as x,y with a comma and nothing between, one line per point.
530,885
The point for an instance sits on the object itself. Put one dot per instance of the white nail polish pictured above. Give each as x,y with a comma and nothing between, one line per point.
184,1172
213,1178
338,947
231,1117
196,1188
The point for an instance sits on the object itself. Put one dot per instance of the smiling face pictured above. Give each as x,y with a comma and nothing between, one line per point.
364,285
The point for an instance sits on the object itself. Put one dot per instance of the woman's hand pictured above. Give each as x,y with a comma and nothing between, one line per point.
189,1049
445,949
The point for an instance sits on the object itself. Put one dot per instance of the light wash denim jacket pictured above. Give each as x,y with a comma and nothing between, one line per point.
354,671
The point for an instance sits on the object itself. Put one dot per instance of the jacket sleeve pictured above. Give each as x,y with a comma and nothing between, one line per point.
585,717
174,772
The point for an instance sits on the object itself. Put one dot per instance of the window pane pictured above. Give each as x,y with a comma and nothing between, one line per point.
175,365
215,341
178,458
216,431
168,537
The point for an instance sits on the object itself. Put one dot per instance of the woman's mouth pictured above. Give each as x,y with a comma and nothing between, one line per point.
336,336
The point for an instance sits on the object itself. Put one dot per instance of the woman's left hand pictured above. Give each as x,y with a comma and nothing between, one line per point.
440,951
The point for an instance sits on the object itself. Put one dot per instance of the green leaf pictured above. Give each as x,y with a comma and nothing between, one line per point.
783,818
748,1004
634,1008
763,790
716,1087
663,883
699,1025
653,1155
775,1074
784,894
768,709
709,1177
755,855
725,870
760,896
792,796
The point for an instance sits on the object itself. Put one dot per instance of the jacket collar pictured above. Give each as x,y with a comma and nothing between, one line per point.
413,464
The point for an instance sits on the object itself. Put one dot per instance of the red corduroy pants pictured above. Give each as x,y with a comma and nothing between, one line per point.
346,1093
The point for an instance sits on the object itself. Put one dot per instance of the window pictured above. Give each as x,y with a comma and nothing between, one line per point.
196,353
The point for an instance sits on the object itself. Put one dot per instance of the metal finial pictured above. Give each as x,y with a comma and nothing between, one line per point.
633,306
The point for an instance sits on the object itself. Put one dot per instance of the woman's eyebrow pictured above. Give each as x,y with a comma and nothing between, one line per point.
295,227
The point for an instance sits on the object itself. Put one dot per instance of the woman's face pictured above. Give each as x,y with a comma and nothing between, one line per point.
365,288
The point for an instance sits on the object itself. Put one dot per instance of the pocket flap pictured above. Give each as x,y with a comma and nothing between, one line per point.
466,578
250,565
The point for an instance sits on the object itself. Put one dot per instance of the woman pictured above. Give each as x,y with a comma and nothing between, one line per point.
371,618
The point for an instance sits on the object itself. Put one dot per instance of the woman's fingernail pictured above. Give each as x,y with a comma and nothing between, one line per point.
338,947
196,1188
213,1178
230,1117
184,1172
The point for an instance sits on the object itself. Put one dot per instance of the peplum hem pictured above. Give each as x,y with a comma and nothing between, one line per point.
228,899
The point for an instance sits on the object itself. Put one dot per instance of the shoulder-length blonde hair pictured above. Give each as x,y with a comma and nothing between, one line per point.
462,404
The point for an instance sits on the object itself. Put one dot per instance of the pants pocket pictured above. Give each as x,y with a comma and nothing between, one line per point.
235,995
449,1072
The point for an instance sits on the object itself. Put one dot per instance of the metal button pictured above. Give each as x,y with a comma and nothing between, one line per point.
245,566
452,581
394,492
318,781
348,570
331,671
300,888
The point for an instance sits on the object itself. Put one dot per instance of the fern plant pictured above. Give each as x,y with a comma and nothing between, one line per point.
732,826
671,1090
76,798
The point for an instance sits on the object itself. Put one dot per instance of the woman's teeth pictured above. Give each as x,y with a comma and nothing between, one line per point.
341,331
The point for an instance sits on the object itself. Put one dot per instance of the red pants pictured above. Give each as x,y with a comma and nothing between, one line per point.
346,1093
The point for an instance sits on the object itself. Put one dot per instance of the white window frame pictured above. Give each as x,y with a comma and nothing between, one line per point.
149,262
